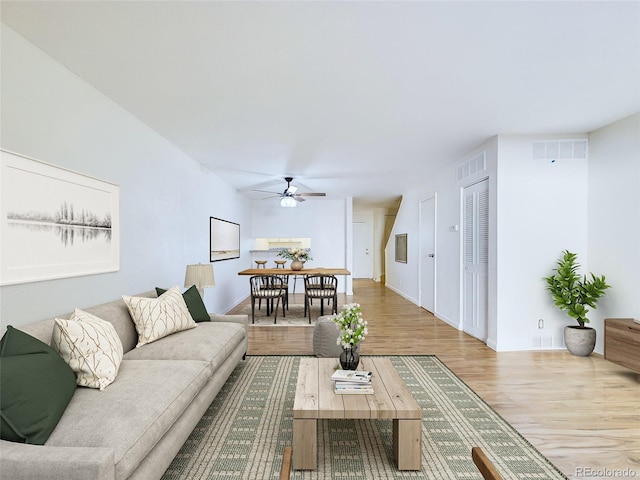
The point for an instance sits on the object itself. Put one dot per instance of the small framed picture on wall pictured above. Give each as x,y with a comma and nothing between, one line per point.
401,248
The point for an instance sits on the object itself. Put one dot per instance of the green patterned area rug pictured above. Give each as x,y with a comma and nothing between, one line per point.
244,431
294,315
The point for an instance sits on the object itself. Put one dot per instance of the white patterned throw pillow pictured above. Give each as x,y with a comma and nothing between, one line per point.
158,317
90,346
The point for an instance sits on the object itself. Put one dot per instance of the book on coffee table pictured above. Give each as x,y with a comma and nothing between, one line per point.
352,376
352,382
353,389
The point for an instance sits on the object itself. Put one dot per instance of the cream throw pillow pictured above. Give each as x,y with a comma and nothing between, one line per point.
90,346
158,317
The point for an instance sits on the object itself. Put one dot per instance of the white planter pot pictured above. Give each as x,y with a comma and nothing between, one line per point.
580,341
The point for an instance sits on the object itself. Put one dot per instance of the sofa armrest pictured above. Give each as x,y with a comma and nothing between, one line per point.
241,319
20,461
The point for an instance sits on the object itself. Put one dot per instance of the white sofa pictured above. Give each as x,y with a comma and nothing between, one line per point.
134,427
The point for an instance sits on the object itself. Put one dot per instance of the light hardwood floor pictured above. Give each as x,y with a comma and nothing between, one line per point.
583,414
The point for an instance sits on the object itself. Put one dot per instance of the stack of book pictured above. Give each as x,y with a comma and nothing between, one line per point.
352,382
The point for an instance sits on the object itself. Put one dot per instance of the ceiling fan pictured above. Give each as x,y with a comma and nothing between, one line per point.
290,195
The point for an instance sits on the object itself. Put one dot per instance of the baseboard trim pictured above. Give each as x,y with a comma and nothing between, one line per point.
402,294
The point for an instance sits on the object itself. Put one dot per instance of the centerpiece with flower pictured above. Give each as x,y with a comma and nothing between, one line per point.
297,256
353,329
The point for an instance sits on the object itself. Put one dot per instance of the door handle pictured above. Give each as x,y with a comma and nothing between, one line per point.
431,255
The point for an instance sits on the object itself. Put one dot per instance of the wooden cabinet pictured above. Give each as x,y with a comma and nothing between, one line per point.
622,342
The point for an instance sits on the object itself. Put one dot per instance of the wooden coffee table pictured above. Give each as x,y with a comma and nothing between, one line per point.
315,400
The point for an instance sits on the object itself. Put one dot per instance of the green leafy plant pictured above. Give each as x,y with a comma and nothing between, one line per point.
574,293
295,254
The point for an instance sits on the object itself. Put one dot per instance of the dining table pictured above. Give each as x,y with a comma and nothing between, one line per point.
288,271
303,272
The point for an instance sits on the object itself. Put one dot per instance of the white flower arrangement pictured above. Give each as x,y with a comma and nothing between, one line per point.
295,254
353,327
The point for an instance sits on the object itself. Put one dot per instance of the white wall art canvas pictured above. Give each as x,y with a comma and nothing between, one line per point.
55,223
224,239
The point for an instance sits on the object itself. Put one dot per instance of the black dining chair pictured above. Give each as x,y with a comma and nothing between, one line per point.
320,287
269,288
284,279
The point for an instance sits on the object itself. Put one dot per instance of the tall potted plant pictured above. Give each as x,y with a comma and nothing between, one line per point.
573,293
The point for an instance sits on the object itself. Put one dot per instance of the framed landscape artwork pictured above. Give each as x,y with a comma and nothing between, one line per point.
55,223
401,248
224,239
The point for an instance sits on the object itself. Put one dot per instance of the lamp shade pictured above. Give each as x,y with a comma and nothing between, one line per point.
288,202
200,275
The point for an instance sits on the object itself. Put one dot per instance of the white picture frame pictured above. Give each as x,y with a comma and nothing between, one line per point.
55,223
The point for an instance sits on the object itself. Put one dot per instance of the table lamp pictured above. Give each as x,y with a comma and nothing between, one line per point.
200,275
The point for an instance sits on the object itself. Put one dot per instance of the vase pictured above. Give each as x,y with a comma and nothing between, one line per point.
297,265
580,341
350,358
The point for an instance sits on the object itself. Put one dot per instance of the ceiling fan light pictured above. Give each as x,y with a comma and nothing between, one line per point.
288,202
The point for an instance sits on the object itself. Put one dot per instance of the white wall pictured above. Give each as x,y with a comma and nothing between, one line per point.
614,219
405,278
166,198
541,211
402,278
537,209
326,221
380,216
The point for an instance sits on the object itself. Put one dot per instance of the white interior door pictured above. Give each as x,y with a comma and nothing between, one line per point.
428,254
475,259
362,250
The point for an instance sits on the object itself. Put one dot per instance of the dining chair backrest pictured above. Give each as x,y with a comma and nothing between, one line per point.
259,283
320,282
320,287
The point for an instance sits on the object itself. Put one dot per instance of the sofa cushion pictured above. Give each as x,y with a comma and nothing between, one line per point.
194,302
211,342
35,387
156,318
134,413
114,312
90,346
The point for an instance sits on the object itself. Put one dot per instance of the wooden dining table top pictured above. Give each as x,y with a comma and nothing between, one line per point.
288,271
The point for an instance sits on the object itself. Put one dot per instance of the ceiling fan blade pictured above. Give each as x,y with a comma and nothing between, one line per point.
266,191
298,199
272,196
312,194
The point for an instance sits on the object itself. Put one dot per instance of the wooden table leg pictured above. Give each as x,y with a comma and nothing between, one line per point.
305,443
407,443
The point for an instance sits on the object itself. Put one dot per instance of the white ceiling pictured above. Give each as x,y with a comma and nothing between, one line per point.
362,99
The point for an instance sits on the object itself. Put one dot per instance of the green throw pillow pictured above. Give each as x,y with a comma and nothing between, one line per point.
36,385
194,302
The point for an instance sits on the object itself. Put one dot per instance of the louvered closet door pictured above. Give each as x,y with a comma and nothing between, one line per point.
476,259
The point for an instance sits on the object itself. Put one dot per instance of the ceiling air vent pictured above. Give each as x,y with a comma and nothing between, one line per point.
553,150
473,165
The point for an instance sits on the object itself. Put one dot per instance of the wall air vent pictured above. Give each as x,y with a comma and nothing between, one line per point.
472,166
553,150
